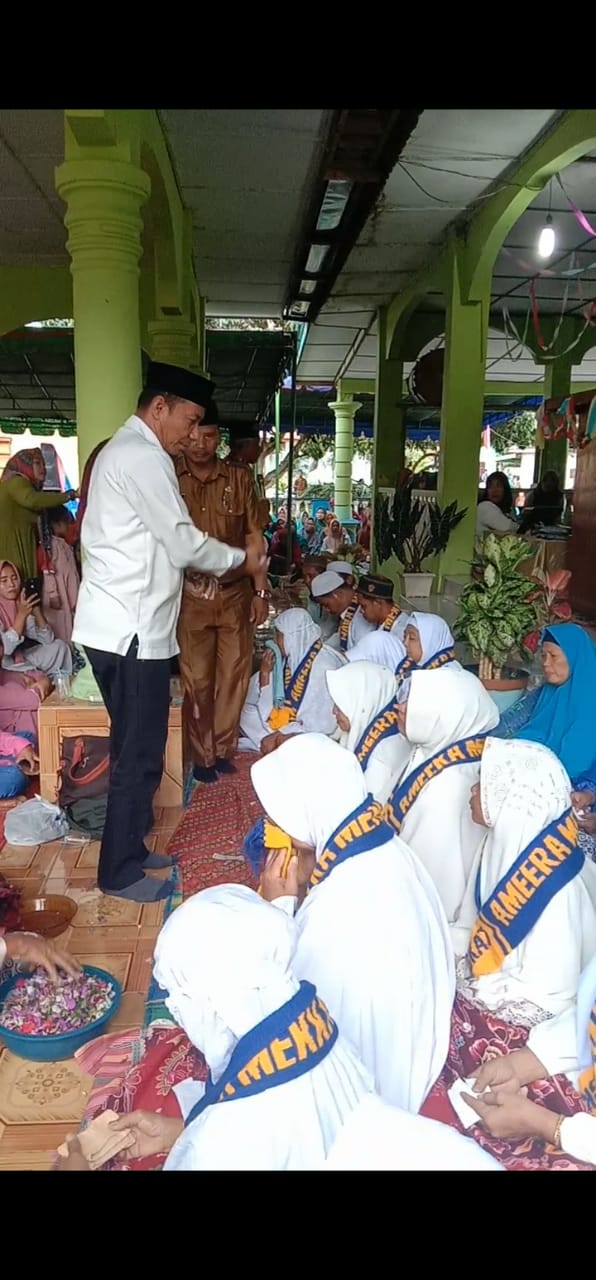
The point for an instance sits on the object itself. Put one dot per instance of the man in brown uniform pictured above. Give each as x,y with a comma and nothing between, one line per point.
217,619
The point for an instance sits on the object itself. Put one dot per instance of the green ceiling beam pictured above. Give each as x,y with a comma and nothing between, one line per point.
572,136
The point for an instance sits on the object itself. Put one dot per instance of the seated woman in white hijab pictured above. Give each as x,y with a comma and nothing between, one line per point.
445,719
377,1137
383,647
564,1046
429,643
282,1081
371,932
526,923
365,698
304,703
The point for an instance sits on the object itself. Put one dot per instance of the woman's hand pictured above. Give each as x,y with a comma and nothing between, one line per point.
32,949
266,667
498,1073
273,883
152,1133
38,615
271,742
512,1115
43,686
28,761
24,610
75,1160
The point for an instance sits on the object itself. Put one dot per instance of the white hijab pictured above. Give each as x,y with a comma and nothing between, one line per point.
225,958
372,936
523,788
299,633
362,690
382,647
434,634
443,707
316,709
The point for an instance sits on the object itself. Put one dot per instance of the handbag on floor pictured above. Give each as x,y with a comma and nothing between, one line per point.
85,769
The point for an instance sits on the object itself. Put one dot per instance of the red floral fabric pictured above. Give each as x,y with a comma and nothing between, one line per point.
477,1036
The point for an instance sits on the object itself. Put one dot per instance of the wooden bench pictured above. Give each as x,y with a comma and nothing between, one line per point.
58,720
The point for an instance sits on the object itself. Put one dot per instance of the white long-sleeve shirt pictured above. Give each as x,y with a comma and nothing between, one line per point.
137,539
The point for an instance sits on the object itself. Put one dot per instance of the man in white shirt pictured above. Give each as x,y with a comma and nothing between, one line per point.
333,594
137,538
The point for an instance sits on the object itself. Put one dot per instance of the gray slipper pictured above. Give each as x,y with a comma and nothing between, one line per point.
157,862
148,889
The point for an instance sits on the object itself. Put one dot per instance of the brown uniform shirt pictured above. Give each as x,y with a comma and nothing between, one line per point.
225,505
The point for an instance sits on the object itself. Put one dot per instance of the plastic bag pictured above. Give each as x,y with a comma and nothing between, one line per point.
36,821
84,686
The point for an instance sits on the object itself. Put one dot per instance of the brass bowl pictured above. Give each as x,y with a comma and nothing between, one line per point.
49,916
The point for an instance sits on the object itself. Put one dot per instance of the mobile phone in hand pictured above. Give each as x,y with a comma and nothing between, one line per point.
31,588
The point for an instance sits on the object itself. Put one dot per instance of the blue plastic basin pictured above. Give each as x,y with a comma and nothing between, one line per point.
55,1048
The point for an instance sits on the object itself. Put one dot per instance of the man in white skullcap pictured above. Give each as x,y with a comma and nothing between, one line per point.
345,571
334,594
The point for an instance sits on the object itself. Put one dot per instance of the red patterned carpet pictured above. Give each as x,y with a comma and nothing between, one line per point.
208,841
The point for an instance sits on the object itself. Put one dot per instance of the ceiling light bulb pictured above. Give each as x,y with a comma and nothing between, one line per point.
546,240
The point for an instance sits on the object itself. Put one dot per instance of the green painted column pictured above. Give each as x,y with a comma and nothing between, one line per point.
390,414
345,410
173,341
557,382
103,201
461,414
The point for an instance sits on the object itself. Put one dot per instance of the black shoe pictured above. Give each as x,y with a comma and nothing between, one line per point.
201,773
225,766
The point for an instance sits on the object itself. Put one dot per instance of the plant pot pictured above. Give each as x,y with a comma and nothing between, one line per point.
508,688
418,585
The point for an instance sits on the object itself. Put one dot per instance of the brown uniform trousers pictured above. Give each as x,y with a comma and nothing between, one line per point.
216,636
216,645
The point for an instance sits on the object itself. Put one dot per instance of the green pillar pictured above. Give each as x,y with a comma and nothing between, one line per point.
201,334
103,201
461,413
557,382
390,414
345,410
173,341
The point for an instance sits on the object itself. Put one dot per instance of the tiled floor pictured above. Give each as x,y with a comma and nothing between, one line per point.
41,1102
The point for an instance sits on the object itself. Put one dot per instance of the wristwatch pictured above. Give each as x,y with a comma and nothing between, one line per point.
263,594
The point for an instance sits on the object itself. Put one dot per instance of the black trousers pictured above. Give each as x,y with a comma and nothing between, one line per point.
137,696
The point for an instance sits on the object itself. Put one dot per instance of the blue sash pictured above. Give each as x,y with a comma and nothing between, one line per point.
404,667
286,1044
440,659
344,626
466,751
587,1079
296,685
384,726
362,830
549,862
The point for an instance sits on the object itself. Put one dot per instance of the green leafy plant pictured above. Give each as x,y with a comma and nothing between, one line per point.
411,529
500,610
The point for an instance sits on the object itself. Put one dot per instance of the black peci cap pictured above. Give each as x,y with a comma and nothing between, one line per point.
171,380
375,587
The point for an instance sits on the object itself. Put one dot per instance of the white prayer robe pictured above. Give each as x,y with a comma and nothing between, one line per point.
316,709
372,936
524,787
443,707
225,958
361,690
378,1137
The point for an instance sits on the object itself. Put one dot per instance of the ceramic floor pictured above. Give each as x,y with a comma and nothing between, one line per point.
41,1102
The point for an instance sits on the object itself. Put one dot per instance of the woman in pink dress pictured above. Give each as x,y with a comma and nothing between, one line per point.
61,579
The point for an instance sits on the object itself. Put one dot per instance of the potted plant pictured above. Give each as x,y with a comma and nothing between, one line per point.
497,612
413,531
550,598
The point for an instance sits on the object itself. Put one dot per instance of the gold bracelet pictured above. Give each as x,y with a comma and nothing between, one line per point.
556,1140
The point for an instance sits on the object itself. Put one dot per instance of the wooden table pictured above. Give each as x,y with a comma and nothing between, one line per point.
58,720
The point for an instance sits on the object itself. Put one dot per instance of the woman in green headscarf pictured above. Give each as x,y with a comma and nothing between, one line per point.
21,504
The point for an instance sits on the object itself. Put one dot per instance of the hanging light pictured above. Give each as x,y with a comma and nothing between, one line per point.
547,239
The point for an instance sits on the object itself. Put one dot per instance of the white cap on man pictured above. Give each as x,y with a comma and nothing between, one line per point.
342,567
325,583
